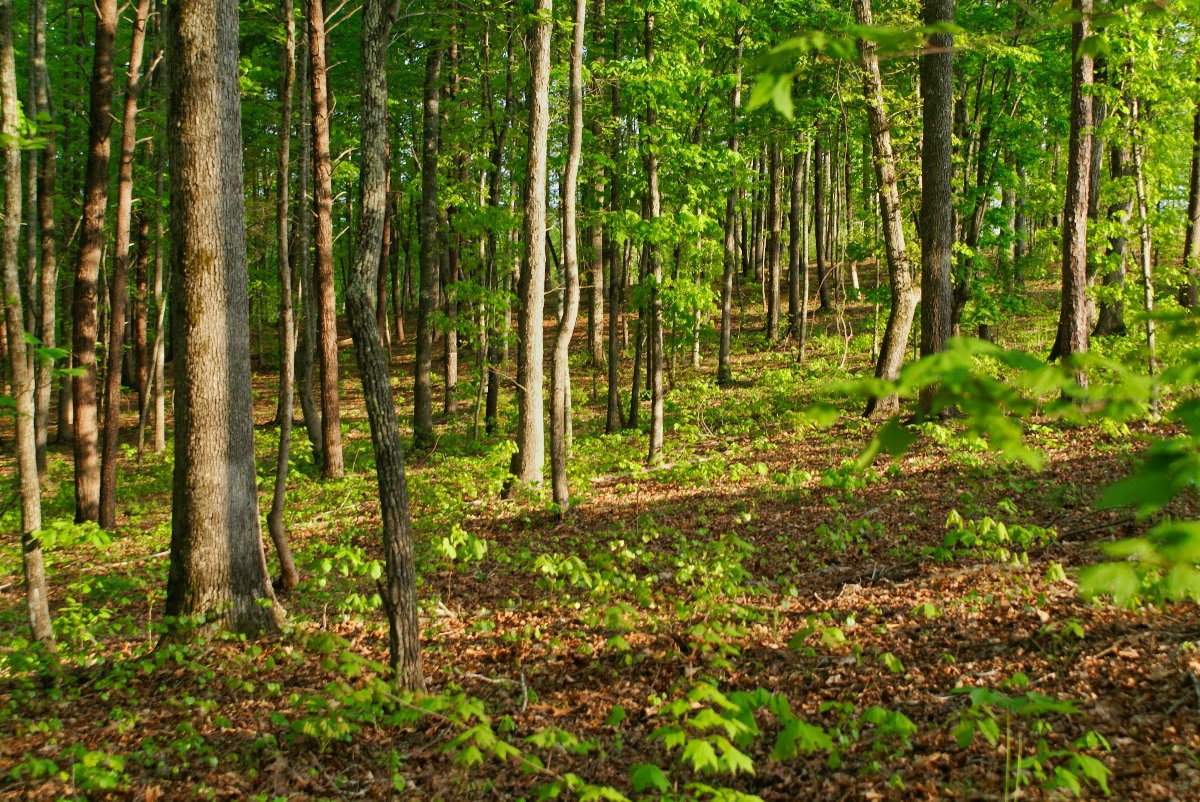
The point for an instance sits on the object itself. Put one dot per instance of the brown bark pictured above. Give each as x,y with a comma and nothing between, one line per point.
307,334
85,327
819,164
118,289
399,589
730,258
527,463
612,258
331,417
1189,293
774,238
422,390
47,166
217,574
903,290
653,212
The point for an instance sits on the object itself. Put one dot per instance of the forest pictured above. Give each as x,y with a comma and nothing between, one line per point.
670,400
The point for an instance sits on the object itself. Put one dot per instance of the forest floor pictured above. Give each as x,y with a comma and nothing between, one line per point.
754,617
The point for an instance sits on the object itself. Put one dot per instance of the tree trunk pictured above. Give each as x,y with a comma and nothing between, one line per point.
331,417
819,223
804,246
612,256
85,327
1073,320
596,252
140,312
531,437
118,293
730,260
422,390
1188,293
654,349
307,336
775,233
37,603
496,329
903,291
560,375
399,592
796,268
936,220
289,577
217,569
48,288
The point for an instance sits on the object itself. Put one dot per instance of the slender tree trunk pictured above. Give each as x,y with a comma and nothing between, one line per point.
531,437
775,234
217,569
795,266
307,335
1139,180
1073,318
332,466
160,303
289,577
48,289
36,595
399,591
87,270
936,220
730,260
612,256
560,376
496,328
819,224
140,311
803,332
1110,319
118,293
453,247
903,290
596,251
655,334
423,391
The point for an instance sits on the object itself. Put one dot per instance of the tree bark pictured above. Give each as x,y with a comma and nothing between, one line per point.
1073,318
1189,293
775,234
307,335
819,223
399,590
85,327
1110,320
730,251
560,375
332,466
289,577
422,391
612,256
903,291
36,595
47,166
531,437
118,292
936,220
654,211
217,574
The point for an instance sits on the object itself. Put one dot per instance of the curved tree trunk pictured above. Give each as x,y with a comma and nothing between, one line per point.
289,578
903,290
218,569
85,327
118,293
399,592
560,374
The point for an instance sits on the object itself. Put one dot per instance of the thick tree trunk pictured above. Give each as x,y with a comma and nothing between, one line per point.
217,567
1073,320
332,466
730,260
289,577
903,290
85,327
37,604
936,220
527,463
118,293
422,390
560,375
399,591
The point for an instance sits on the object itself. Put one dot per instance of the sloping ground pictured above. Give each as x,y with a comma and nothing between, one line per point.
753,618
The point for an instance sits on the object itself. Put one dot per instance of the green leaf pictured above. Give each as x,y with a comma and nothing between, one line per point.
647,776
1119,580
700,753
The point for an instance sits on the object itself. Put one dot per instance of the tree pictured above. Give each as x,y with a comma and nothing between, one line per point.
936,218
730,258
332,466
399,593
1073,320
36,595
560,374
904,293
654,273
85,326
47,165
531,437
120,273
1191,241
217,570
289,578
422,391
775,234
